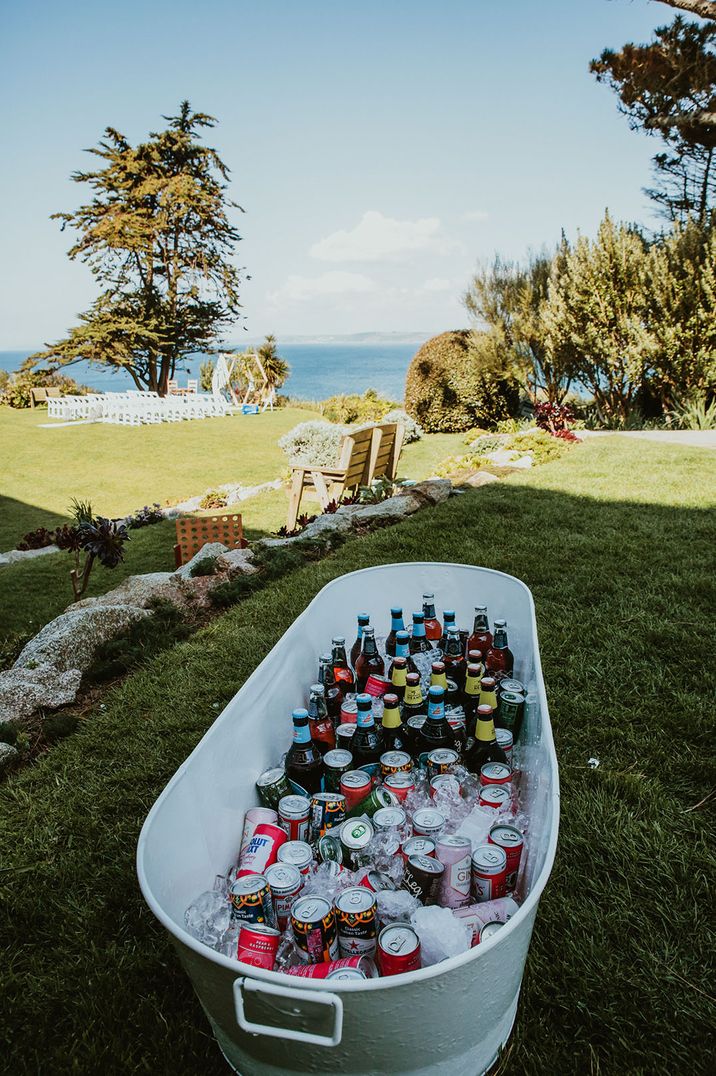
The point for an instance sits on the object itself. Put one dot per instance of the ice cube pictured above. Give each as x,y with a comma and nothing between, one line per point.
395,906
441,934
327,880
229,943
287,955
478,824
208,917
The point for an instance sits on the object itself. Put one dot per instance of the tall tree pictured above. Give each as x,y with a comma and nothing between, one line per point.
668,88
157,237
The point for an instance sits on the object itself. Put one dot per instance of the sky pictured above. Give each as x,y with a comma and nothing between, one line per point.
380,149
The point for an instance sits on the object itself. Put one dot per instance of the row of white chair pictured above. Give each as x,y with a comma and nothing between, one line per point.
136,408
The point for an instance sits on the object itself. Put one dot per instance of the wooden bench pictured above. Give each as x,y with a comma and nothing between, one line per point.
364,455
193,532
42,394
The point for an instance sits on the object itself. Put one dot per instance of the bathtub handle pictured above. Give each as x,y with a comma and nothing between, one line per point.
293,997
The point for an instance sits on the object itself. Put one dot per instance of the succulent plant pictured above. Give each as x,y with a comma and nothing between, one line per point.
104,538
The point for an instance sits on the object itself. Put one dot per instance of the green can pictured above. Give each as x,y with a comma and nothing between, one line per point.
379,797
272,786
510,712
335,764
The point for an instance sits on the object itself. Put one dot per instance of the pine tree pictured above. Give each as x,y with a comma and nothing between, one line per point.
157,237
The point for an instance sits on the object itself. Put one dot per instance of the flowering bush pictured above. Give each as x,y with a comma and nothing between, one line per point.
413,430
214,498
144,517
314,442
555,418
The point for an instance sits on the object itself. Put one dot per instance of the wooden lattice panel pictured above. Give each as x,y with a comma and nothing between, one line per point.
193,532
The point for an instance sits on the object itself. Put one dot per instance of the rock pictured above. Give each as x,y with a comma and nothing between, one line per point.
8,755
236,562
24,690
392,510
15,556
509,457
277,543
71,640
481,478
432,491
211,549
138,590
325,525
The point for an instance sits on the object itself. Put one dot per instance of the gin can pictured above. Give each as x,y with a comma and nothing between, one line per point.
355,785
400,784
364,964
495,773
455,853
511,841
489,872
286,883
495,796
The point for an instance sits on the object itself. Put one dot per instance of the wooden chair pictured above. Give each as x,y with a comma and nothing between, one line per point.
172,386
192,386
361,459
193,532
42,395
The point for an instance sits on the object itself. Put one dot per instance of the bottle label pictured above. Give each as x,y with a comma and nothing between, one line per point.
399,677
391,719
436,710
485,731
301,734
413,695
364,719
343,676
402,650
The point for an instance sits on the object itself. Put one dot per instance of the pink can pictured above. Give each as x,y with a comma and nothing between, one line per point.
321,971
262,849
455,853
252,819
258,945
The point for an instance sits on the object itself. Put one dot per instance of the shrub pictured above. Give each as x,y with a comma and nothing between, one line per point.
144,517
206,373
214,498
205,566
17,389
313,442
455,382
37,539
482,446
141,641
695,414
413,431
370,407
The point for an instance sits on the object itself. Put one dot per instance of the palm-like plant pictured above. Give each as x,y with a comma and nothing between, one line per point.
275,368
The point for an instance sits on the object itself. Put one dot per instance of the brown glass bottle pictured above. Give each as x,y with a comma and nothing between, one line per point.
363,622
369,662
485,747
304,766
481,638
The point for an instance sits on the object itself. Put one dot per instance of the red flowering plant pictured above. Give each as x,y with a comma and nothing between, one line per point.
555,419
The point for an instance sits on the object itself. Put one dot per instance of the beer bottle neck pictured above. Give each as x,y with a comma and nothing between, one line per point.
391,717
365,717
368,647
480,624
429,610
500,640
402,650
485,729
418,629
339,657
396,622
413,695
439,680
472,685
301,733
399,675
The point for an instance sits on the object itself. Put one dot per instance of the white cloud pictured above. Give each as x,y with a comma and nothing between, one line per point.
376,238
437,283
475,215
301,289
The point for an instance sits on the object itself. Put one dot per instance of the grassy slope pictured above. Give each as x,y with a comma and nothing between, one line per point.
210,452
616,544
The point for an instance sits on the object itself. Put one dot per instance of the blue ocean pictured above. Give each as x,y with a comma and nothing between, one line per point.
318,370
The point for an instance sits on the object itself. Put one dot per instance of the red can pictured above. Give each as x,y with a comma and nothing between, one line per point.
398,949
376,881
511,841
349,711
253,818
448,782
418,846
489,872
355,786
293,816
400,784
377,686
495,796
495,773
258,946
262,849
322,971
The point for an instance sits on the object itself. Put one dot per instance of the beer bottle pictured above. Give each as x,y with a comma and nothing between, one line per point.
481,638
319,723
402,650
438,678
454,657
304,767
498,659
333,693
363,622
396,625
395,737
448,622
433,627
342,672
485,747
398,673
419,643
365,742
435,731
488,693
471,697
369,662
474,657
413,703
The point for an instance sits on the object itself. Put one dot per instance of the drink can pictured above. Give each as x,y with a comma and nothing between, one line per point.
395,762
349,710
448,782
329,849
379,797
442,760
328,809
335,764
511,841
377,686
400,784
262,849
347,973
297,853
489,929
314,929
428,821
455,853
398,949
516,687
293,813
251,901
356,921
495,773
476,915
510,710
355,834
495,796
286,883
423,877
355,785
258,945
272,785
344,736
388,818
363,964
252,819
506,742
418,846
489,872
376,881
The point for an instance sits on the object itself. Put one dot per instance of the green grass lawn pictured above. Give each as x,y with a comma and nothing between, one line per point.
120,469
616,543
